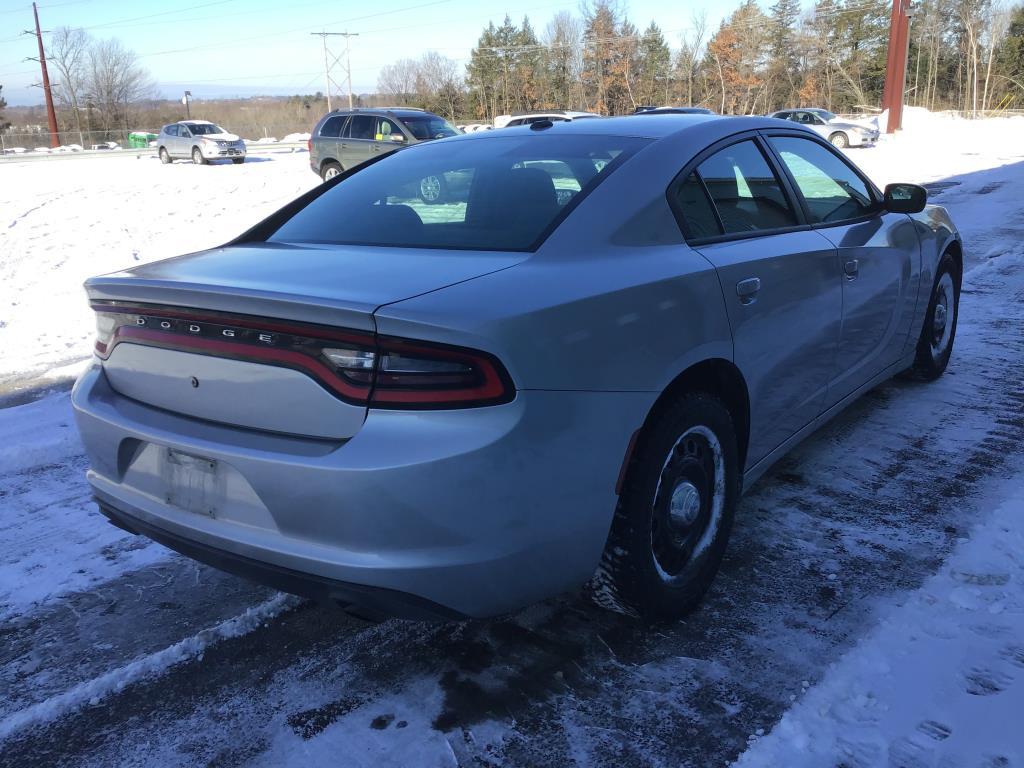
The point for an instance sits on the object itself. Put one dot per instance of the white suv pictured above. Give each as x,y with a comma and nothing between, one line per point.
200,140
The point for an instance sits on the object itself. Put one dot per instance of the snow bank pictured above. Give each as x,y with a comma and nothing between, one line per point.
940,681
295,137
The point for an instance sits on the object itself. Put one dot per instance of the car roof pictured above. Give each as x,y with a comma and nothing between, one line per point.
647,126
400,111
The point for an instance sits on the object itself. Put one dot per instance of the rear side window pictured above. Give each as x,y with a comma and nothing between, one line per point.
331,129
698,214
496,193
831,189
361,127
745,191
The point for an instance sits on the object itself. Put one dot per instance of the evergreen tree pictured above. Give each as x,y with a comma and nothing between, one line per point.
4,125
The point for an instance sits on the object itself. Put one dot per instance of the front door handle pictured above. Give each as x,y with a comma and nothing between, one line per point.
851,269
747,289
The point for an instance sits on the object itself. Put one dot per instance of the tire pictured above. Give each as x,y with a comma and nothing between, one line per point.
237,160
329,170
164,157
665,545
840,140
935,344
197,157
433,189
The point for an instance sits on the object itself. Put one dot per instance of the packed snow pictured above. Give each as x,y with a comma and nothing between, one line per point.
835,635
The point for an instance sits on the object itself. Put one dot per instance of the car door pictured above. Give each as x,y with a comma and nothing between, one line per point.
383,143
780,279
879,254
356,140
329,138
183,145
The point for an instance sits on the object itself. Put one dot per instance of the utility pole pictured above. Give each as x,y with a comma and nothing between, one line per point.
896,64
330,62
51,116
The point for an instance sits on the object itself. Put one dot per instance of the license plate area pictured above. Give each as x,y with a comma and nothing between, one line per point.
192,483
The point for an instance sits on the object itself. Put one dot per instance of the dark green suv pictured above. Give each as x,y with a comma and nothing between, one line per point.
346,138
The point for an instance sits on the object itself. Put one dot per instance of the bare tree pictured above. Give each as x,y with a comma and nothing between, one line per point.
398,81
69,52
691,50
114,80
438,84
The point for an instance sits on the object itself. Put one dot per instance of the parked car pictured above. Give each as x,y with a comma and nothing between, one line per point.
553,115
363,400
346,138
842,133
199,140
672,111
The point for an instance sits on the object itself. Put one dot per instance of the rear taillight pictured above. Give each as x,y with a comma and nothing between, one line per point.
358,367
309,144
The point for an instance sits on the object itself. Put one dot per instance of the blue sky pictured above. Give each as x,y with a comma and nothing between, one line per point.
240,47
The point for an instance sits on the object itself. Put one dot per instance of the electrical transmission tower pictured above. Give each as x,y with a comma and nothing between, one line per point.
330,63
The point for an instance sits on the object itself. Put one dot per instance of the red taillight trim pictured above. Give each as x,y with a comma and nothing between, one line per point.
492,384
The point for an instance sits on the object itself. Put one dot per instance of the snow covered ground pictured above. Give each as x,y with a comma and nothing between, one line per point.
64,221
870,611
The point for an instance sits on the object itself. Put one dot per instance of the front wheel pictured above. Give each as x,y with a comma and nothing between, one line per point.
197,156
237,160
935,344
674,515
840,140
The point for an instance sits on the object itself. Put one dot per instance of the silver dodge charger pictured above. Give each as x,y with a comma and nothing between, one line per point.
565,375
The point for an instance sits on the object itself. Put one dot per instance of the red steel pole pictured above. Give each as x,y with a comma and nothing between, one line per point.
51,116
896,64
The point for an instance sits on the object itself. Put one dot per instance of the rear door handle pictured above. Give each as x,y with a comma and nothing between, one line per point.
747,289
851,269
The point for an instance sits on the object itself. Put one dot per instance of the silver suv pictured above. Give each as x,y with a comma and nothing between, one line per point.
199,140
346,138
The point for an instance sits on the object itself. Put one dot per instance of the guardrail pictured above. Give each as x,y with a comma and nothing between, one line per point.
33,156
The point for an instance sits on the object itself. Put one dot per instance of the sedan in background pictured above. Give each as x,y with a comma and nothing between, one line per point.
842,133
566,376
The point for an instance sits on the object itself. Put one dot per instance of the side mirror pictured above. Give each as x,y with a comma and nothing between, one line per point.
905,198
397,138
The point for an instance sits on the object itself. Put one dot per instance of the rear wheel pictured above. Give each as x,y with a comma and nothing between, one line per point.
329,170
935,344
197,156
164,157
673,519
839,139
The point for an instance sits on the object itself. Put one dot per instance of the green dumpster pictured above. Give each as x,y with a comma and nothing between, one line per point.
140,139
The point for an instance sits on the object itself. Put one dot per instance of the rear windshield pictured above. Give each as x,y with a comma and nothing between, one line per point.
495,193
428,126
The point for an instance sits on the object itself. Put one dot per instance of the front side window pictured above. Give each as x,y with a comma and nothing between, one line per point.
745,191
496,193
384,130
331,129
171,130
831,189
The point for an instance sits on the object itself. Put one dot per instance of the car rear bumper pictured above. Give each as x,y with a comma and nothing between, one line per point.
467,512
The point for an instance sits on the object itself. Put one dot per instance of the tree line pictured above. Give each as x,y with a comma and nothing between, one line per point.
963,54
